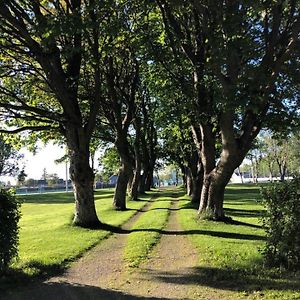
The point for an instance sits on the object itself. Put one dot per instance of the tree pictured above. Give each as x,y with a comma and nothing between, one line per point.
44,175
280,154
51,80
30,182
110,163
255,155
21,177
52,179
243,58
8,159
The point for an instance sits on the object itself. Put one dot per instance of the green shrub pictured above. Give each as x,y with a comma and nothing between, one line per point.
282,224
9,230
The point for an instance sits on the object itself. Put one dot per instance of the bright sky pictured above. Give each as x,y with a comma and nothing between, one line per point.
44,158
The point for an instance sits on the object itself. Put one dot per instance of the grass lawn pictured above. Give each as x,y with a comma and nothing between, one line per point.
48,242
230,262
229,253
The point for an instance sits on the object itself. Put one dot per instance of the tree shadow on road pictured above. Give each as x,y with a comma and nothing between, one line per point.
230,235
68,291
226,279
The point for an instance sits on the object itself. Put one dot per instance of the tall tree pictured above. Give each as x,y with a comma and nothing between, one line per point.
239,55
9,158
47,48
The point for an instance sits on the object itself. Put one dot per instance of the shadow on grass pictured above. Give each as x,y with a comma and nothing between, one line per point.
234,222
67,291
229,235
244,212
37,272
226,279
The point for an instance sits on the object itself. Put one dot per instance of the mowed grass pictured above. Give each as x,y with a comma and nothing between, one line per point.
229,255
146,232
47,239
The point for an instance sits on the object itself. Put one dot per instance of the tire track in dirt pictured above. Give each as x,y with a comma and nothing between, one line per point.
103,264
167,272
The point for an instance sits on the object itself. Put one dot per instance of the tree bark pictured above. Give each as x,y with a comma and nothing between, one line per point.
189,182
125,172
208,158
143,178
149,178
196,172
214,188
82,177
119,201
215,181
134,187
197,186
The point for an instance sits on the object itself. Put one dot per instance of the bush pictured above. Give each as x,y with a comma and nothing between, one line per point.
9,230
282,224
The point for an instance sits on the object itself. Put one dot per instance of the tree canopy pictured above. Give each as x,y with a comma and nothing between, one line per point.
201,79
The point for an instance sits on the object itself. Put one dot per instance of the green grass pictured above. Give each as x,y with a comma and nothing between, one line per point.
146,231
48,241
229,253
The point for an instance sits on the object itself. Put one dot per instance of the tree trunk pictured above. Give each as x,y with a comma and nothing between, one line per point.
196,172
197,187
82,177
142,183
214,188
241,175
149,179
208,153
216,181
183,171
125,172
282,171
134,189
189,182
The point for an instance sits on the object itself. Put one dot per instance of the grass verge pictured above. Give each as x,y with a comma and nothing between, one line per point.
229,253
146,231
48,242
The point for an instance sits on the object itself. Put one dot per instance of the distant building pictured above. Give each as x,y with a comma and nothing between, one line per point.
113,179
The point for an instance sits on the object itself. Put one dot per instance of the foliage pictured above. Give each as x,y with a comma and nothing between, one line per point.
50,179
9,230
274,155
282,224
110,163
21,177
8,159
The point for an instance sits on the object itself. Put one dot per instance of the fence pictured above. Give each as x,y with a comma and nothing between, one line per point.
55,189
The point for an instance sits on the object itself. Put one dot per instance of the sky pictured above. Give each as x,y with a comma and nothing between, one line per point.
44,158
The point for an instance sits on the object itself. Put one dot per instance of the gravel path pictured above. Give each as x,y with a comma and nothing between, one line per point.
166,274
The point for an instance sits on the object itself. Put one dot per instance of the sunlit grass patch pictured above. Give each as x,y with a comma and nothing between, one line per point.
47,239
229,256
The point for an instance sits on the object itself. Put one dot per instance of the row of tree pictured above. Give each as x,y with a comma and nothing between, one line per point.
274,157
205,77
